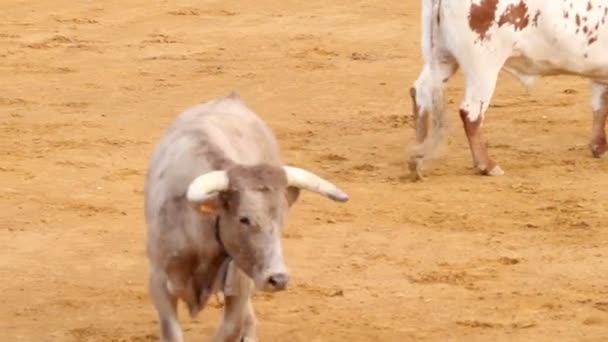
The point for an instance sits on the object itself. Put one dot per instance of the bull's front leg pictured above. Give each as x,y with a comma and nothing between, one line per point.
166,307
238,319
599,104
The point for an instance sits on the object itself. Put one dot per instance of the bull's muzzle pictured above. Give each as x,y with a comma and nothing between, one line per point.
276,282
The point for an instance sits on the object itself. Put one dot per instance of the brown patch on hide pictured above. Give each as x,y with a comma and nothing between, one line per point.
481,17
516,15
536,17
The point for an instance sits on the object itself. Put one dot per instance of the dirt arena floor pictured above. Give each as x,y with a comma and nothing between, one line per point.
87,88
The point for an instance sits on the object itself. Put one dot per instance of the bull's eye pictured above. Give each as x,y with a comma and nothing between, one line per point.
245,220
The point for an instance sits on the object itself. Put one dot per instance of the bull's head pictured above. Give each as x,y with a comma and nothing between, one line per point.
252,204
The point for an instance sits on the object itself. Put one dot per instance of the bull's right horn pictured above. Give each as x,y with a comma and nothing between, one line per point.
206,185
307,180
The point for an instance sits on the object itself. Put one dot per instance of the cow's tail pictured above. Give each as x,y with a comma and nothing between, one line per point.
438,108
433,92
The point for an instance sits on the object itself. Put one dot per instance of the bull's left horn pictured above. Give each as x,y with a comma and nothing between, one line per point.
205,185
307,180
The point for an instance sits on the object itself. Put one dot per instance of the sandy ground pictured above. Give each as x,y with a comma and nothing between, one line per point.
87,88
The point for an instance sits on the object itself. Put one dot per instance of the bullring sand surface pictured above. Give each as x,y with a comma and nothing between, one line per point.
88,87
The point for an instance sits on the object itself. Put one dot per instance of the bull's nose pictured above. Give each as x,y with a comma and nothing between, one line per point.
278,281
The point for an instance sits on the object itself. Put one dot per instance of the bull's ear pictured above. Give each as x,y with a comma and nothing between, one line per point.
210,206
292,195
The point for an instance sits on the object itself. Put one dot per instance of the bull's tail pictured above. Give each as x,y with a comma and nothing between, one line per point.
430,86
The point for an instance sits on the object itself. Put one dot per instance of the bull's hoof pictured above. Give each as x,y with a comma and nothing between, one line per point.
193,310
219,300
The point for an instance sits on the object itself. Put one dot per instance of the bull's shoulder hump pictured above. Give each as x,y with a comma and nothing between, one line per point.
232,102
234,95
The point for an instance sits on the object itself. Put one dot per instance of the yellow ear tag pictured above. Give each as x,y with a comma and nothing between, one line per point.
207,208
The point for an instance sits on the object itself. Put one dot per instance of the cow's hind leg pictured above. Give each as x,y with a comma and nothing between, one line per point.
421,96
599,103
166,307
238,320
480,85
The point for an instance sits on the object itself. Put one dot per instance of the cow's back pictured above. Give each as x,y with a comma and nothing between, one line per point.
541,37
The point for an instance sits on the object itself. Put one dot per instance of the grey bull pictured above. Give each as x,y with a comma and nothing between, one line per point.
216,199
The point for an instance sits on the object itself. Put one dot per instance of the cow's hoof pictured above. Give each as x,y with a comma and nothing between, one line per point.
599,152
415,167
495,171
249,339
417,176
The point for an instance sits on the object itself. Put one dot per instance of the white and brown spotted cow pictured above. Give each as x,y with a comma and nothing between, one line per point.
217,196
527,38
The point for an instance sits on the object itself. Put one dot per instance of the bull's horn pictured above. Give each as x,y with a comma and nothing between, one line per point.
205,185
307,180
